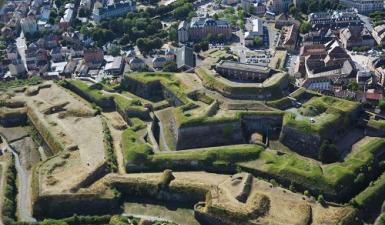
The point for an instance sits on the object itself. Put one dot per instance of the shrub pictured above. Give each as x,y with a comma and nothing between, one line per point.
321,200
109,149
10,192
328,152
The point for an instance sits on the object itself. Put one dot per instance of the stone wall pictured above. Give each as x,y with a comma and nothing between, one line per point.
150,90
13,118
303,143
65,205
131,113
262,123
105,103
210,135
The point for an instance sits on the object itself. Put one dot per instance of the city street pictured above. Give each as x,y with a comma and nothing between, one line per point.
21,47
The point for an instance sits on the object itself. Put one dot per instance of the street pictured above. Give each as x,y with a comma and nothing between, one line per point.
21,47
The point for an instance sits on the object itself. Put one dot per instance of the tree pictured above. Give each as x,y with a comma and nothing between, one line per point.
353,86
84,12
170,66
303,7
183,11
305,27
382,105
173,34
114,50
53,222
146,45
197,47
328,152
204,45
321,200
258,42
313,6
293,10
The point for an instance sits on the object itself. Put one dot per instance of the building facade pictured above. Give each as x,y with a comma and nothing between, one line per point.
28,25
364,6
243,72
356,37
117,9
336,19
378,34
201,27
279,6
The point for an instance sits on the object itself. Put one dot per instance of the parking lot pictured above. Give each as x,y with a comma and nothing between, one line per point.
290,63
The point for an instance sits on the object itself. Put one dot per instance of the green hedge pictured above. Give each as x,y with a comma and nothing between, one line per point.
338,180
337,116
90,93
271,86
53,143
10,192
167,81
373,196
377,124
133,150
109,149
6,85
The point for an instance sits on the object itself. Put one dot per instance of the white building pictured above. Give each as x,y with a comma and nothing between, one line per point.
118,9
256,31
364,6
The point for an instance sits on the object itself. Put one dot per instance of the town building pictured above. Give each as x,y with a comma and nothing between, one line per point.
364,6
378,34
66,20
377,66
56,54
113,10
256,31
201,27
290,34
17,68
185,58
36,58
279,6
284,19
85,4
242,71
363,77
322,36
93,58
136,64
114,65
28,25
321,64
373,95
356,36
253,7
334,19
158,62
230,2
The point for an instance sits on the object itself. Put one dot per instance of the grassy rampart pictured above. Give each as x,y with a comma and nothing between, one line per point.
90,93
53,142
271,88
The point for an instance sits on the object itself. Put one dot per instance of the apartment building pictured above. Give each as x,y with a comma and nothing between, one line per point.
200,27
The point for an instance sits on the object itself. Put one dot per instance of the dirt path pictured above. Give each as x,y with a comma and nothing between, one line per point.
2,173
117,138
23,187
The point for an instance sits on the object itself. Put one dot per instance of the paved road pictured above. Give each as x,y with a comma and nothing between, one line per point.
366,21
21,47
23,188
